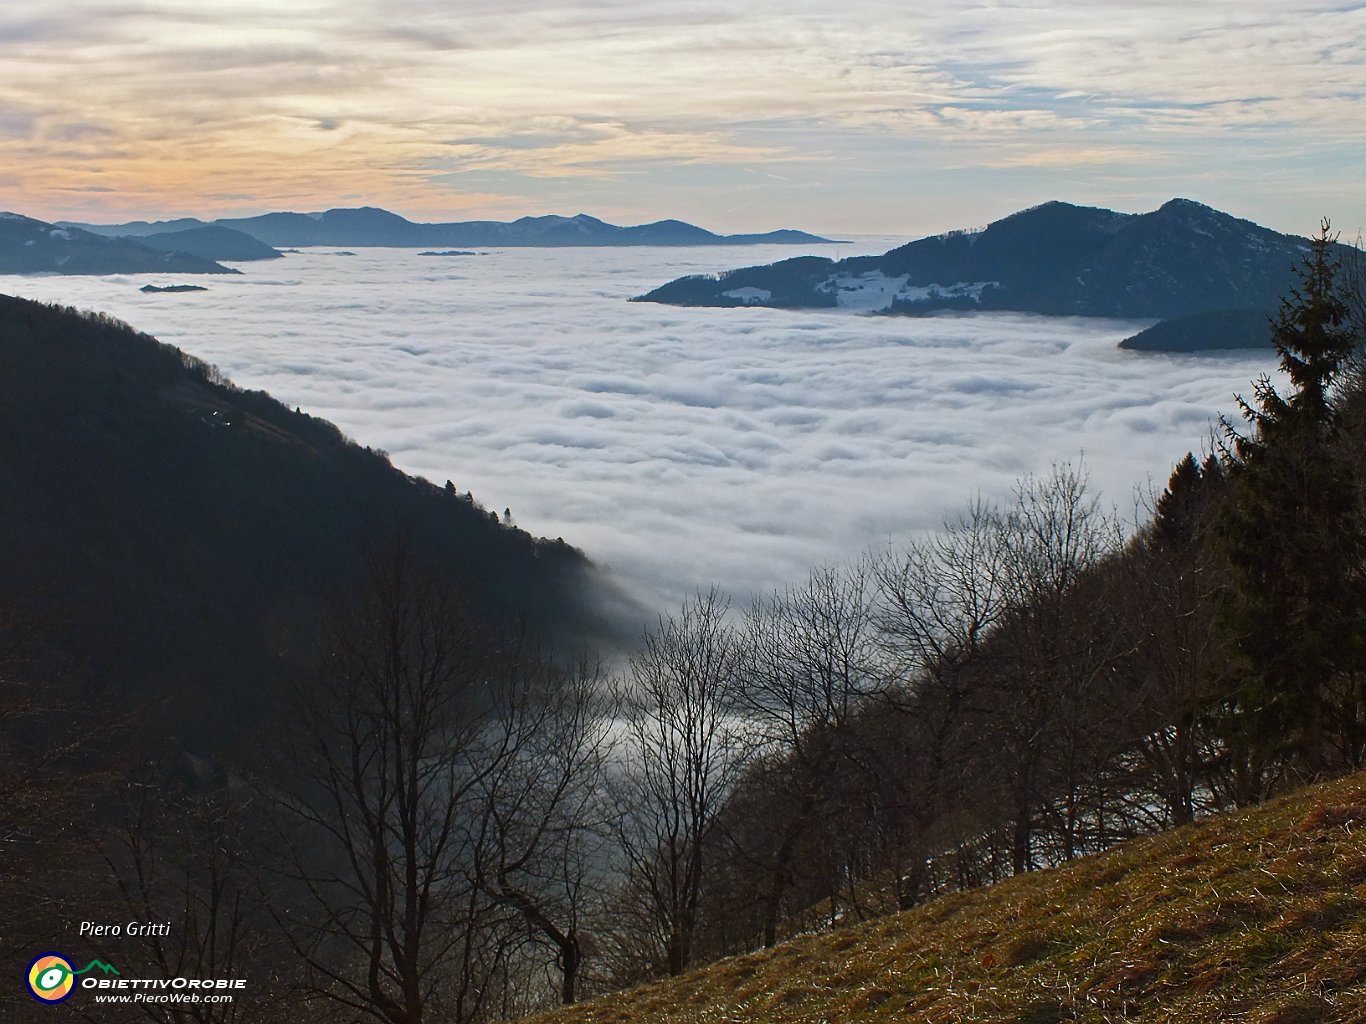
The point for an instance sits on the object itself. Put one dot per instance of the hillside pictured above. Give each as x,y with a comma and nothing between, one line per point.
1057,259
1257,916
29,246
211,243
365,226
1218,330
179,537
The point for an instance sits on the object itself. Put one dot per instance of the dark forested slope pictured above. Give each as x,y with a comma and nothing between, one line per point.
179,535
1056,259
29,246
210,243
1216,331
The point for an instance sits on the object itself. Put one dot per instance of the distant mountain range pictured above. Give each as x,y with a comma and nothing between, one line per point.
29,246
1182,259
369,226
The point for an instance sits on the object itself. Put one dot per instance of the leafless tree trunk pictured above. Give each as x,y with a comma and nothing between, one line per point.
544,803
390,757
809,665
184,860
1053,656
681,753
939,600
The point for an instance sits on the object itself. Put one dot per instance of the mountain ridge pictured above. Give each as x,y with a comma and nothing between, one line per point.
1216,330
1056,259
30,246
183,534
209,242
373,226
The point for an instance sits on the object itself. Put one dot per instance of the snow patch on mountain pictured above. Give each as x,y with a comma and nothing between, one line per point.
874,290
749,296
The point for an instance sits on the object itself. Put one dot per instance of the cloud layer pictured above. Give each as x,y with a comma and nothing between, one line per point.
681,446
879,116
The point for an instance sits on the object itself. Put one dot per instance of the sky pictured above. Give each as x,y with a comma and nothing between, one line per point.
878,116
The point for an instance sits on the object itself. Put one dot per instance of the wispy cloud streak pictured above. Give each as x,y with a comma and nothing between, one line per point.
880,101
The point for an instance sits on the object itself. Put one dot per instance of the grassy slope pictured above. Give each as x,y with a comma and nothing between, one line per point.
1258,917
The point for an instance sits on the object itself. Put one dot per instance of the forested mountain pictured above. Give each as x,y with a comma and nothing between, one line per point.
370,226
179,536
1215,331
29,246
1058,259
212,243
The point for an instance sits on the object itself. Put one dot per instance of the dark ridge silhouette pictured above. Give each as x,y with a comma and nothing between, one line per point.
181,535
1057,259
29,246
212,243
1219,330
368,226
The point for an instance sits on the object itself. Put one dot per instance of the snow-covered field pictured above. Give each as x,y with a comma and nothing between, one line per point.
681,446
875,290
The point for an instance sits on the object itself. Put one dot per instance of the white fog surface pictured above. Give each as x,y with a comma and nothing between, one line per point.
681,447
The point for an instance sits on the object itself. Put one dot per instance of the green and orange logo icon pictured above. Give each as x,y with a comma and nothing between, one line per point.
51,977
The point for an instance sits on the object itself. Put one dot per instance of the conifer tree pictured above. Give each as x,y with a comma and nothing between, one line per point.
1178,509
1294,540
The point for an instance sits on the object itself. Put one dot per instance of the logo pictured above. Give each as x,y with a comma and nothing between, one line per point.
52,979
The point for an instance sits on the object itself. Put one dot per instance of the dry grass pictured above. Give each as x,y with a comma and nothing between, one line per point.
1257,917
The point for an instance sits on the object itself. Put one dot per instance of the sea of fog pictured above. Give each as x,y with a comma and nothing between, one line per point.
681,447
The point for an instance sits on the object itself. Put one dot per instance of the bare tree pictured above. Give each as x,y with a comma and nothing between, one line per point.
1053,654
388,758
680,749
810,663
939,601
186,859
543,815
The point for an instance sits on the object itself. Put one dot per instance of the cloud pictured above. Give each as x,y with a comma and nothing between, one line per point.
682,446
15,124
1068,156
887,101
596,149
